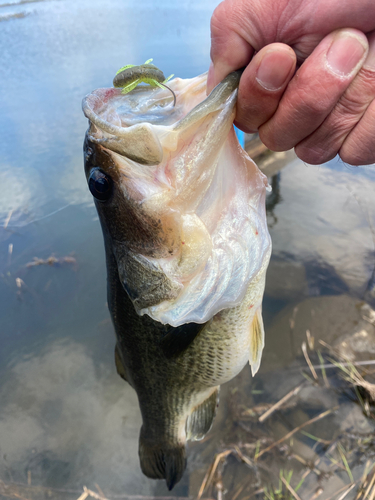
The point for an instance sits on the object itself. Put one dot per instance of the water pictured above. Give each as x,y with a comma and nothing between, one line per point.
66,418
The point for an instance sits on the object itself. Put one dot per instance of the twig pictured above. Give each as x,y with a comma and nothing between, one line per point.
283,400
317,494
51,261
329,366
211,471
316,439
347,492
220,488
364,479
310,340
291,433
83,496
326,383
8,489
243,457
93,494
6,222
100,491
369,486
304,350
290,489
339,491
372,496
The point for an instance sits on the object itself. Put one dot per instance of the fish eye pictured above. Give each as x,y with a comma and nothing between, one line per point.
100,185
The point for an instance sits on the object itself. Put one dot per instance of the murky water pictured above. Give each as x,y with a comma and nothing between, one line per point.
66,418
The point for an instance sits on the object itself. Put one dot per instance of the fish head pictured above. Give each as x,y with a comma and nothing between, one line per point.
180,203
129,232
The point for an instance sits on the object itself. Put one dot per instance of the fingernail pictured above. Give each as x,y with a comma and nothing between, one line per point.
274,69
345,53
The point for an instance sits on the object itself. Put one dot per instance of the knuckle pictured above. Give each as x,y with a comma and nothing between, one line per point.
358,95
364,84
312,108
223,20
217,19
270,140
351,104
314,155
356,154
224,28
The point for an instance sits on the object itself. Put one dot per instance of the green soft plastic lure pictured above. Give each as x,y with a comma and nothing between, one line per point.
128,77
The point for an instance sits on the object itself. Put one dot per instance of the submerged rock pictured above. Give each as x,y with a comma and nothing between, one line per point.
341,321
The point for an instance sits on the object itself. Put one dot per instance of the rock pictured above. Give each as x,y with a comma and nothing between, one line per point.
341,321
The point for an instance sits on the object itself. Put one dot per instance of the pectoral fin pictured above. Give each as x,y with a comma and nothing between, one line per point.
177,339
256,341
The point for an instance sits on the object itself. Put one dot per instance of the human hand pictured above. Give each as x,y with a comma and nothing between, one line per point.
325,107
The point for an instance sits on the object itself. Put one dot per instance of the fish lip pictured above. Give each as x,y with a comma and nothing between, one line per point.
138,142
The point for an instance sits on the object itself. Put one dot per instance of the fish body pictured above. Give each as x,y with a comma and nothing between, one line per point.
182,209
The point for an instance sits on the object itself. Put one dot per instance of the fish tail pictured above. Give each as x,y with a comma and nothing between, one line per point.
201,418
162,461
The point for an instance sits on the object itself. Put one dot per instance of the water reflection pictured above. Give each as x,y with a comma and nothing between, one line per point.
324,224
273,199
54,405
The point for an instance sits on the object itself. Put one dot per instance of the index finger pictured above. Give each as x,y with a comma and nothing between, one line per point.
229,49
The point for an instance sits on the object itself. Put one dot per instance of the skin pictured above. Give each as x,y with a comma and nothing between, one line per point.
309,81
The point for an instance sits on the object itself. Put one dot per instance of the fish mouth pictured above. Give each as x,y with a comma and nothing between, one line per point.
194,196
127,128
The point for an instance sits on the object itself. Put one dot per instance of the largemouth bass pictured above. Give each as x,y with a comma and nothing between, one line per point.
182,209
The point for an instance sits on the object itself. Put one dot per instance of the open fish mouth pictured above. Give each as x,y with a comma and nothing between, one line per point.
195,200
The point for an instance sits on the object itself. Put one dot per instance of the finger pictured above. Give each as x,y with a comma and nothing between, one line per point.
262,85
326,141
358,148
230,50
315,89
